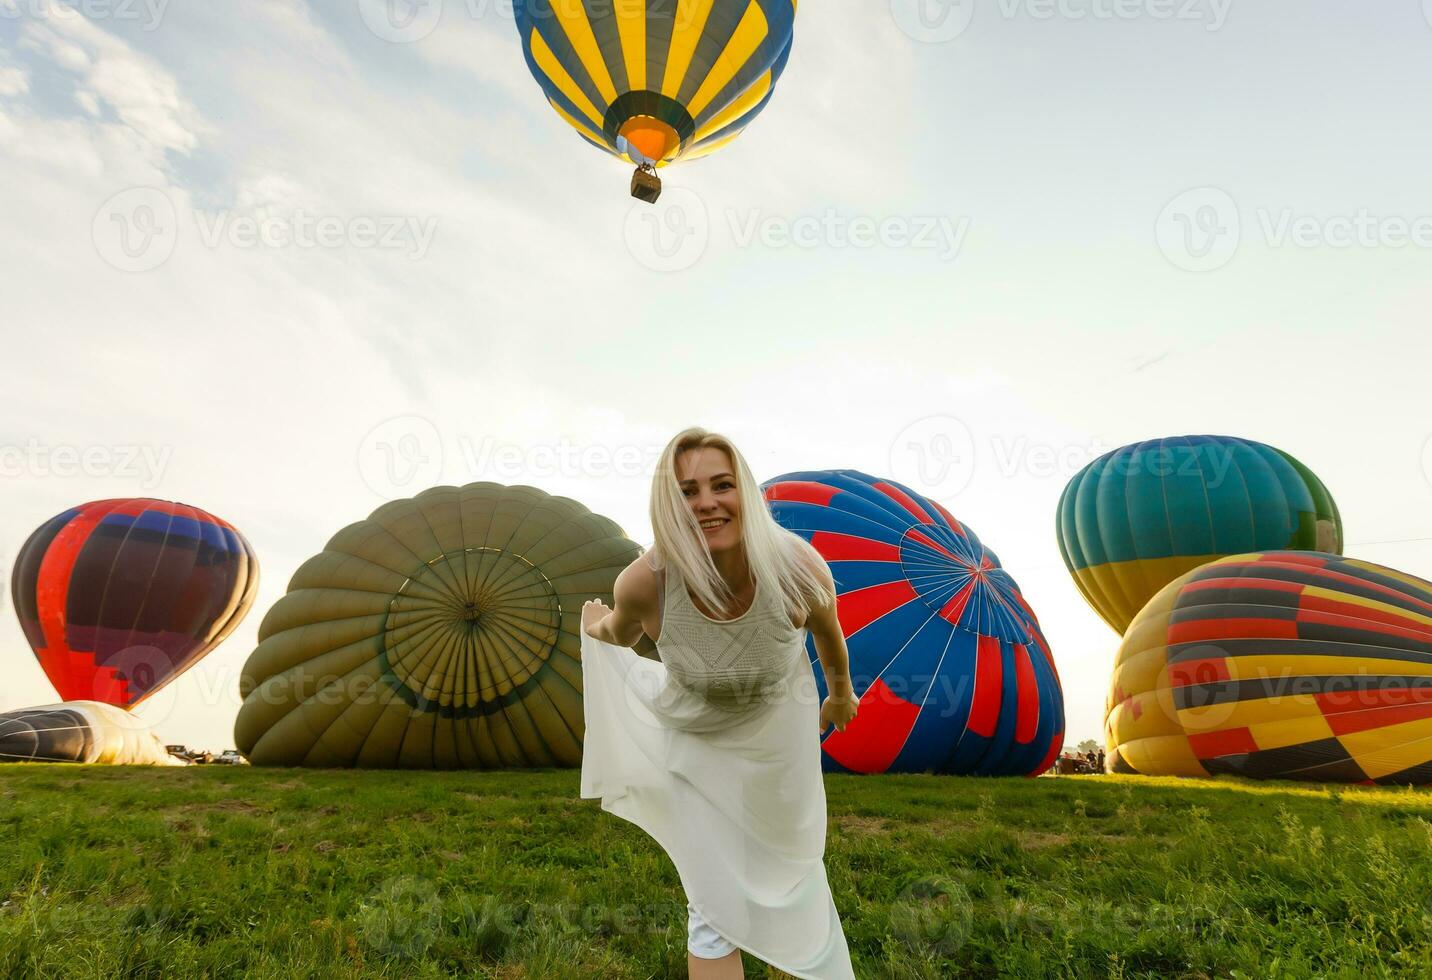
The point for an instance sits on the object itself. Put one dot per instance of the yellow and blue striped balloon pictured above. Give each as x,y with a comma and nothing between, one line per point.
655,81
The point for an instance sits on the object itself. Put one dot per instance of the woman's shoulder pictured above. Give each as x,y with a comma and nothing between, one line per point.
637,584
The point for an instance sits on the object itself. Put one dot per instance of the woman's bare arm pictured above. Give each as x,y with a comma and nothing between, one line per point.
634,597
824,626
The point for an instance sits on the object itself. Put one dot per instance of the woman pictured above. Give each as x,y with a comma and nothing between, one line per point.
715,751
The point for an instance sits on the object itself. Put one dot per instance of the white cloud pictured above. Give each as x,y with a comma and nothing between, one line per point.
13,80
152,117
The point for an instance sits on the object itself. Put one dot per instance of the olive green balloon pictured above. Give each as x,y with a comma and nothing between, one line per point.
440,633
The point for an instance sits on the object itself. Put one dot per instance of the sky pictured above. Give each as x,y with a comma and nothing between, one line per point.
285,261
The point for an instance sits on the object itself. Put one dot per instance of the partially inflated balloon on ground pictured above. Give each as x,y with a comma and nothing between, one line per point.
440,633
1283,665
952,671
119,597
1137,518
88,732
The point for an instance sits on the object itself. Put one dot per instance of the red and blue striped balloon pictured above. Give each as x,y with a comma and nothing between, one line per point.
119,597
947,658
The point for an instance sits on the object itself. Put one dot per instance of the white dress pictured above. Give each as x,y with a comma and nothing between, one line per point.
715,752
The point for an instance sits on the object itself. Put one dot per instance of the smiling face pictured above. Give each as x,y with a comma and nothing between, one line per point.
708,481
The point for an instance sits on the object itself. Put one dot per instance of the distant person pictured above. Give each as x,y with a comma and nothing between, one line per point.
715,750
1101,761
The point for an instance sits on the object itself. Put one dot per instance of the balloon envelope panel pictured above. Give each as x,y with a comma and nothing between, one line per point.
88,732
1137,518
657,80
119,597
1286,665
947,658
441,632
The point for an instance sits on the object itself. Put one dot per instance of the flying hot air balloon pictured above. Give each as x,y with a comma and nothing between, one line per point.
442,632
1139,517
119,597
656,81
947,658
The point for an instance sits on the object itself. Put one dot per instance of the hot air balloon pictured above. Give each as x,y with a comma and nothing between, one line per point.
119,597
88,732
1280,665
656,81
947,658
1137,518
440,633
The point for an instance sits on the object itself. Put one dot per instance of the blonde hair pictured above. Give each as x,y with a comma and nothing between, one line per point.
775,556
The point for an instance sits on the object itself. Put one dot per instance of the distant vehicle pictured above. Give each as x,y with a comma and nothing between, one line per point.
231,757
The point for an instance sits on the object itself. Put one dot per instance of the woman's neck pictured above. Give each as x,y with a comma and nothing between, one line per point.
733,568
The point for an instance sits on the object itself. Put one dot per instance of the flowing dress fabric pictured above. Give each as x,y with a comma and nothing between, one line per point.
731,791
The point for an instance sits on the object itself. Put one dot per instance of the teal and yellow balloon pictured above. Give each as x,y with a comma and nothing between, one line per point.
1139,517
656,81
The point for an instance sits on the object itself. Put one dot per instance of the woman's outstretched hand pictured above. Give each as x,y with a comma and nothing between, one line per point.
838,712
593,612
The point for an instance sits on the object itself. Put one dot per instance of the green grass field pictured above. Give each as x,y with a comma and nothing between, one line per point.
267,873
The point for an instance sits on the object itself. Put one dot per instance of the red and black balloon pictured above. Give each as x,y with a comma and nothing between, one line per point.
119,597
947,658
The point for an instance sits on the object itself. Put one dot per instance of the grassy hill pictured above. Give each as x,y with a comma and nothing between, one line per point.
268,873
